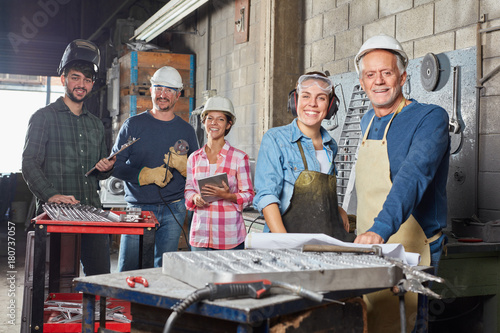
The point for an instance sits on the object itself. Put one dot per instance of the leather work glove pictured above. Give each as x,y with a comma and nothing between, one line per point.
159,176
176,161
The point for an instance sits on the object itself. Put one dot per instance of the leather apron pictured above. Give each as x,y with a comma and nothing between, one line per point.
314,207
373,184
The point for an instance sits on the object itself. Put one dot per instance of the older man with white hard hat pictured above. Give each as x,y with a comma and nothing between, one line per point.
401,171
154,168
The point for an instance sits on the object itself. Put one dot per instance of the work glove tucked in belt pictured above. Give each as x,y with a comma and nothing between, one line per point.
177,161
159,176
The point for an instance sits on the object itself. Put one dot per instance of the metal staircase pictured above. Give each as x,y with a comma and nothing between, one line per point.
350,139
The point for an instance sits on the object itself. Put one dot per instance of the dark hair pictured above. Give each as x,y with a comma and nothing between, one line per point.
228,118
84,67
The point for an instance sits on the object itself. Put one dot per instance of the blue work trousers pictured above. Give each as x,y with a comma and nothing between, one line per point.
171,218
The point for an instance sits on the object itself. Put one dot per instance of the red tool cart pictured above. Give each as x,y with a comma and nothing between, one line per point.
44,225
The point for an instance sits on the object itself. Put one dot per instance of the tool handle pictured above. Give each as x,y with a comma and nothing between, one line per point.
254,289
335,248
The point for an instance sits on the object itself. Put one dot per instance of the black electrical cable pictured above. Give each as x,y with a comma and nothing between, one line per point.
167,204
179,308
251,224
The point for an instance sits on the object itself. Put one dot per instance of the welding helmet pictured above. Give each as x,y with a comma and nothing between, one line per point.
308,80
383,42
167,77
221,104
80,50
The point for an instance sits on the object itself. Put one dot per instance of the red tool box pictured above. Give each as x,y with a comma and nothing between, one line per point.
67,300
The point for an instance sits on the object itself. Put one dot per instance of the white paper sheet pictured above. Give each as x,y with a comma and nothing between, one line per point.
296,241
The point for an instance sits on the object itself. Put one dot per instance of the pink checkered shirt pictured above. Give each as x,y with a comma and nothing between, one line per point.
219,225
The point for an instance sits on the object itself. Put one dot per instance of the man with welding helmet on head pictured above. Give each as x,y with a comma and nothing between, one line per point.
154,168
63,141
401,172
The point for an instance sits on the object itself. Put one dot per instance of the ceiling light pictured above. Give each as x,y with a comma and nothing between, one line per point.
167,16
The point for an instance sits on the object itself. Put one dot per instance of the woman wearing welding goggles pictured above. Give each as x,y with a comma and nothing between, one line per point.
295,173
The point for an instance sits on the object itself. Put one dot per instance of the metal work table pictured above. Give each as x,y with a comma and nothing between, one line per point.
245,314
43,225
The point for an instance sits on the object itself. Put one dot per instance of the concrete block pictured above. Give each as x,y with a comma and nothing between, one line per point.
409,48
492,86
488,193
245,135
491,8
226,83
227,45
247,95
219,66
435,44
362,12
239,76
465,37
489,122
313,29
220,30
491,40
215,83
489,153
421,2
347,43
234,58
452,14
386,26
336,20
248,54
390,7
253,73
321,6
234,96
416,23
323,51
342,2
338,67
215,49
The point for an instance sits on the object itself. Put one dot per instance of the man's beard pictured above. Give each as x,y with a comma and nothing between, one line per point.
169,106
73,98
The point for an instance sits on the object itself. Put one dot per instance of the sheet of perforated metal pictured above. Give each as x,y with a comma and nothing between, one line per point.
324,271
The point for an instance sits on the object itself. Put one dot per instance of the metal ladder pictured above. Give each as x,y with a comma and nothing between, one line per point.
349,141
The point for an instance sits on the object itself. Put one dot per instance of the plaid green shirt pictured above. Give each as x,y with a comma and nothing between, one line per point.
60,148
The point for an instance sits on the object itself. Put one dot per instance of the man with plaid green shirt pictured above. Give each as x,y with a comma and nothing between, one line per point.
64,140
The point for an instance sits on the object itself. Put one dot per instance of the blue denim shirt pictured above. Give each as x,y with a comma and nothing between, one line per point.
279,164
418,146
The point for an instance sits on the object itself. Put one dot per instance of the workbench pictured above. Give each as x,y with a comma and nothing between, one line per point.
471,293
44,225
150,307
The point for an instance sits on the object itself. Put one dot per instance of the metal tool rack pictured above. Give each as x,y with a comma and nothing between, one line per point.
43,225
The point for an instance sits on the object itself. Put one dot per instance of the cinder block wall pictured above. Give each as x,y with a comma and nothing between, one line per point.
233,69
332,33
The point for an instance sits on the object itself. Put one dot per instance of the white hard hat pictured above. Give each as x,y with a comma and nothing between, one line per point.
219,103
167,76
383,42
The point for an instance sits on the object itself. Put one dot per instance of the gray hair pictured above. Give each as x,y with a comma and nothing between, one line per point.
399,62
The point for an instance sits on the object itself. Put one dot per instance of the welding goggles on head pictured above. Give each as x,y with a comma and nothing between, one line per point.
308,80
